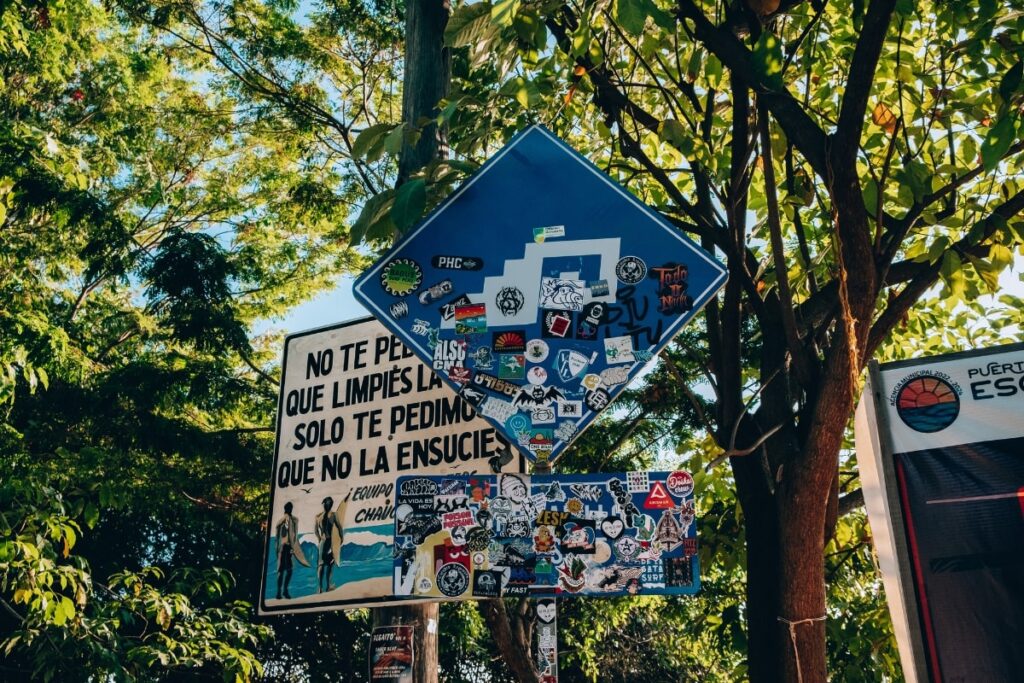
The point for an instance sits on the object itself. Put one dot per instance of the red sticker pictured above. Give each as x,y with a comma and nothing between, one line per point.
658,498
680,484
459,375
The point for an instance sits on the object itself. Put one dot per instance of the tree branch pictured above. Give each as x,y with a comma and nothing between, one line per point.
796,350
851,501
861,78
806,135
923,275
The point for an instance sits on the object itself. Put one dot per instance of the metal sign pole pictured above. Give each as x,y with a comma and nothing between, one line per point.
547,616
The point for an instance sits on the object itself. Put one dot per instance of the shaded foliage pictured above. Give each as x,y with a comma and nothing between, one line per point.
173,175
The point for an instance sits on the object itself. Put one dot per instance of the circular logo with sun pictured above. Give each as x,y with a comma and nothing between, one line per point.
927,403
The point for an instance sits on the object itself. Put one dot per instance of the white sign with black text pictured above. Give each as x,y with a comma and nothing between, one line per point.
357,409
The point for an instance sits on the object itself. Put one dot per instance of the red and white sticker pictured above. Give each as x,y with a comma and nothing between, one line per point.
658,498
680,484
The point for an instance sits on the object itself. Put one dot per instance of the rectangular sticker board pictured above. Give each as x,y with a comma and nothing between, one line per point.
487,536
941,445
356,410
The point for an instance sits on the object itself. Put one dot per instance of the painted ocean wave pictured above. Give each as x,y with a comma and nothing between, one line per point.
930,418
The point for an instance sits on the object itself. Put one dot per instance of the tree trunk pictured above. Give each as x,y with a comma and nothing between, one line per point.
801,587
428,73
427,79
761,533
512,636
785,535
424,642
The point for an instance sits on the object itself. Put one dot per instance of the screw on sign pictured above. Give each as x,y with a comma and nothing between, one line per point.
540,253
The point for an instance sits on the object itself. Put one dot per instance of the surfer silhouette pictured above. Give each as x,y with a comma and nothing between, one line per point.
329,534
287,531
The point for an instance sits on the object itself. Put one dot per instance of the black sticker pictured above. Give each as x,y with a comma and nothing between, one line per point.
472,395
457,262
630,269
447,311
678,571
510,341
478,538
536,396
597,399
556,324
419,526
452,579
672,286
419,486
590,319
546,610
579,537
487,583
624,500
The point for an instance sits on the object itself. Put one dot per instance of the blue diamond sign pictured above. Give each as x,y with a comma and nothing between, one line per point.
539,289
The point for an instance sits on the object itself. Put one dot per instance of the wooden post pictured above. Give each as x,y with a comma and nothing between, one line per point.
427,80
423,619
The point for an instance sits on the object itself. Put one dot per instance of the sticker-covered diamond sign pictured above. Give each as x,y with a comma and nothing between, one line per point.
539,289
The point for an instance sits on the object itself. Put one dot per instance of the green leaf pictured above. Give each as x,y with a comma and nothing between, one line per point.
631,15
1001,256
674,133
374,209
448,111
988,273
393,141
870,192
504,11
953,274
91,515
997,142
713,71
904,8
524,91
662,18
410,200
468,25
766,59
1010,84
368,137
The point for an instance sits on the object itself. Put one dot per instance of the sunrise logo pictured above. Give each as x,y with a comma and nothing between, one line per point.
927,402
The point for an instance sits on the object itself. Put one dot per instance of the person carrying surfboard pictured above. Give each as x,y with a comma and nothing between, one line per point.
287,531
330,535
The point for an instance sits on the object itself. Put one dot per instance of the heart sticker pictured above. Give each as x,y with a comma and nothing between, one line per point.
612,527
546,612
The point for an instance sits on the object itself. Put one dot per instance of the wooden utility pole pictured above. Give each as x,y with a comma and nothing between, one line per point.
426,80
428,73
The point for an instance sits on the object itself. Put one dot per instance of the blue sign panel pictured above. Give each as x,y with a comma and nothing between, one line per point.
538,289
469,537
